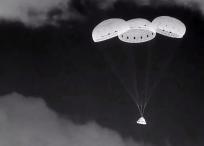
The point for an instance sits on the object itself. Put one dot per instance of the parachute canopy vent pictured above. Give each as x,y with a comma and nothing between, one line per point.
141,30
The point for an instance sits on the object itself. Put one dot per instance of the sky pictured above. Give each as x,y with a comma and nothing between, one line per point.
58,87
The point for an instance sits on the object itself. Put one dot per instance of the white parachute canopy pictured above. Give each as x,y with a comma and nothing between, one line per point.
108,29
141,30
169,26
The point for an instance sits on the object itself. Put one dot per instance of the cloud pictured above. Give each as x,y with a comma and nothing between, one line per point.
188,3
104,4
31,12
39,12
27,121
193,4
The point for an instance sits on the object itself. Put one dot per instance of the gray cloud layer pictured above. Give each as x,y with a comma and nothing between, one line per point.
34,12
187,3
27,121
31,12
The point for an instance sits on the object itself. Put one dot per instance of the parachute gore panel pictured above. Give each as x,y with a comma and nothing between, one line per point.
108,29
169,26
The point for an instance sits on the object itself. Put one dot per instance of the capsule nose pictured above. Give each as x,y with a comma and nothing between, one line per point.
141,121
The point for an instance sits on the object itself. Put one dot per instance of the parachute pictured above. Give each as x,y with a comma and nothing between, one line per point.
137,31
141,30
108,29
169,26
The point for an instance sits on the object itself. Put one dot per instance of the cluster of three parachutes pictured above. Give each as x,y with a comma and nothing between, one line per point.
138,30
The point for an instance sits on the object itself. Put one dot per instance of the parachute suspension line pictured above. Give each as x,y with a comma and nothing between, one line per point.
109,61
162,72
140,108
140,102
147,76
141,114
145,104
130,54
143,109
148,65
